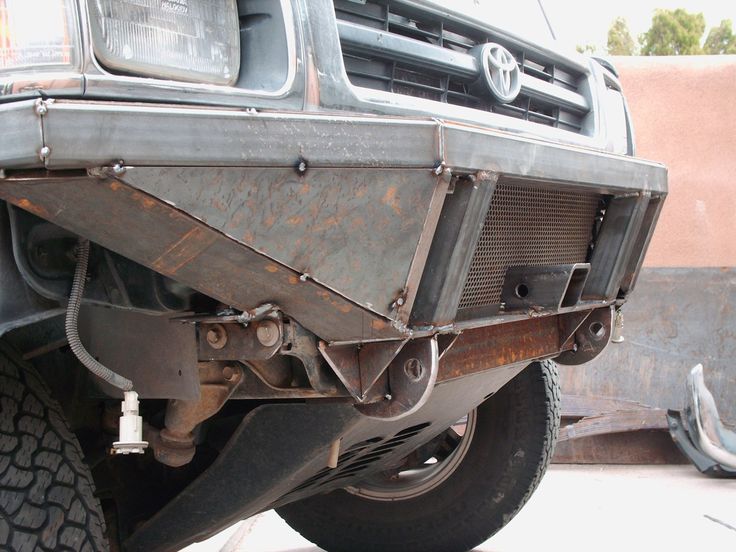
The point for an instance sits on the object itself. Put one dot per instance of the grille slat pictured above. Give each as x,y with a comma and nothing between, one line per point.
528,226
370,67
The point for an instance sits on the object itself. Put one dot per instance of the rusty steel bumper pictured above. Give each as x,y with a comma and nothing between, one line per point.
331,216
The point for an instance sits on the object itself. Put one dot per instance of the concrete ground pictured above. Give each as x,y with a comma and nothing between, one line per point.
576,508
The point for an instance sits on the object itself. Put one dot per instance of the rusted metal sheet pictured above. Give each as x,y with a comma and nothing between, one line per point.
485,348
354,230
156,234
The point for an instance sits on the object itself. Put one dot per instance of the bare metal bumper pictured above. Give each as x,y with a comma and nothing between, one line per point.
349,204
87,134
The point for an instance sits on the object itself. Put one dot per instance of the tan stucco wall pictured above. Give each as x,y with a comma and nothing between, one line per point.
684,112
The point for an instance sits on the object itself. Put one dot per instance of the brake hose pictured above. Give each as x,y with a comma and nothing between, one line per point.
72,319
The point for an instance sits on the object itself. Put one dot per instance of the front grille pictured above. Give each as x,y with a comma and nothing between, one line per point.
406,71
528,226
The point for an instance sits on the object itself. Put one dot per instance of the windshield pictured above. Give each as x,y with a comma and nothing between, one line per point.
525,18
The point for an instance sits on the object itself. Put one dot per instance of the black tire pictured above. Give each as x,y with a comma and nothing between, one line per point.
46,490
512,445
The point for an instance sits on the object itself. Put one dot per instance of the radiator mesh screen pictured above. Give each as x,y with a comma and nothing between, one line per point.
528,227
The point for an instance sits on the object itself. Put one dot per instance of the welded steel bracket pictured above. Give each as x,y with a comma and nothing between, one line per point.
543,287
411,379
591,337
359,367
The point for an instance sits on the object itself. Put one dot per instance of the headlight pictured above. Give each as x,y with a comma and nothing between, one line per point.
38,36
188,40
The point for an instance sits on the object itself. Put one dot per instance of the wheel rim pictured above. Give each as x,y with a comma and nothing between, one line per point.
414,481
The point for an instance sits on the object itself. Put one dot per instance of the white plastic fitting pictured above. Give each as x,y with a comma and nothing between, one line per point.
131,428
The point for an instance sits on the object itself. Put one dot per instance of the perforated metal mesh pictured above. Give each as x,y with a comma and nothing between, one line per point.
528,227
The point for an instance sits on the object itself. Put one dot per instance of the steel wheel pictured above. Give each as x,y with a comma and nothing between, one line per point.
424,469
502,461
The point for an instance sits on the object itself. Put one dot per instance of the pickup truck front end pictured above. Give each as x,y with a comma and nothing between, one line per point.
321,234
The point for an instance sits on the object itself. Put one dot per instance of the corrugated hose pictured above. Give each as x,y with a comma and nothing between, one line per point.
72,319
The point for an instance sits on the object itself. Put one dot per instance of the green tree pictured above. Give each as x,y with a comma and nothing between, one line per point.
588,49
675,32
721,39
620,41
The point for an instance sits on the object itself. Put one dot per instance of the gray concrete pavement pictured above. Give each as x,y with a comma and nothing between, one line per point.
575,509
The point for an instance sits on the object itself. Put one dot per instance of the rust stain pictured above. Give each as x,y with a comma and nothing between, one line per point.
379,325
331,221
391,200
493,346
115,185
184,251
235,221
144,201
295,220
273,269
219,205
37,210
269,221
344,308
293,280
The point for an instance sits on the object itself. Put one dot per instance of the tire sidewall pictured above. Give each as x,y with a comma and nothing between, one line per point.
511,448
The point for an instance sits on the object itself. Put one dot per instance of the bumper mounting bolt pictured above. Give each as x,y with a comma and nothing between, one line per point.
217,336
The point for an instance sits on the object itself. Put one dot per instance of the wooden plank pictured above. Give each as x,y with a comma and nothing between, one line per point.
580,406
615,422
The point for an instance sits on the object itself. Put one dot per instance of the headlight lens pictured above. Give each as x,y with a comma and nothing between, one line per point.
188,40
38,35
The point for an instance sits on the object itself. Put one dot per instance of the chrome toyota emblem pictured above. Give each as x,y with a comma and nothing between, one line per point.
500,72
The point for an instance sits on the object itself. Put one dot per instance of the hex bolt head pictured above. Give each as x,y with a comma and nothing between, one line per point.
216,336
414,369
45,153
41,108
268,333
228,373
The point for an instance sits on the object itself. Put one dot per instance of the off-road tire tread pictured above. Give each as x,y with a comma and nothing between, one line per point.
47,497
334,521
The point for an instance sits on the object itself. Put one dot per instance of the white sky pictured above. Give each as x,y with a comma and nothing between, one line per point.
587,21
